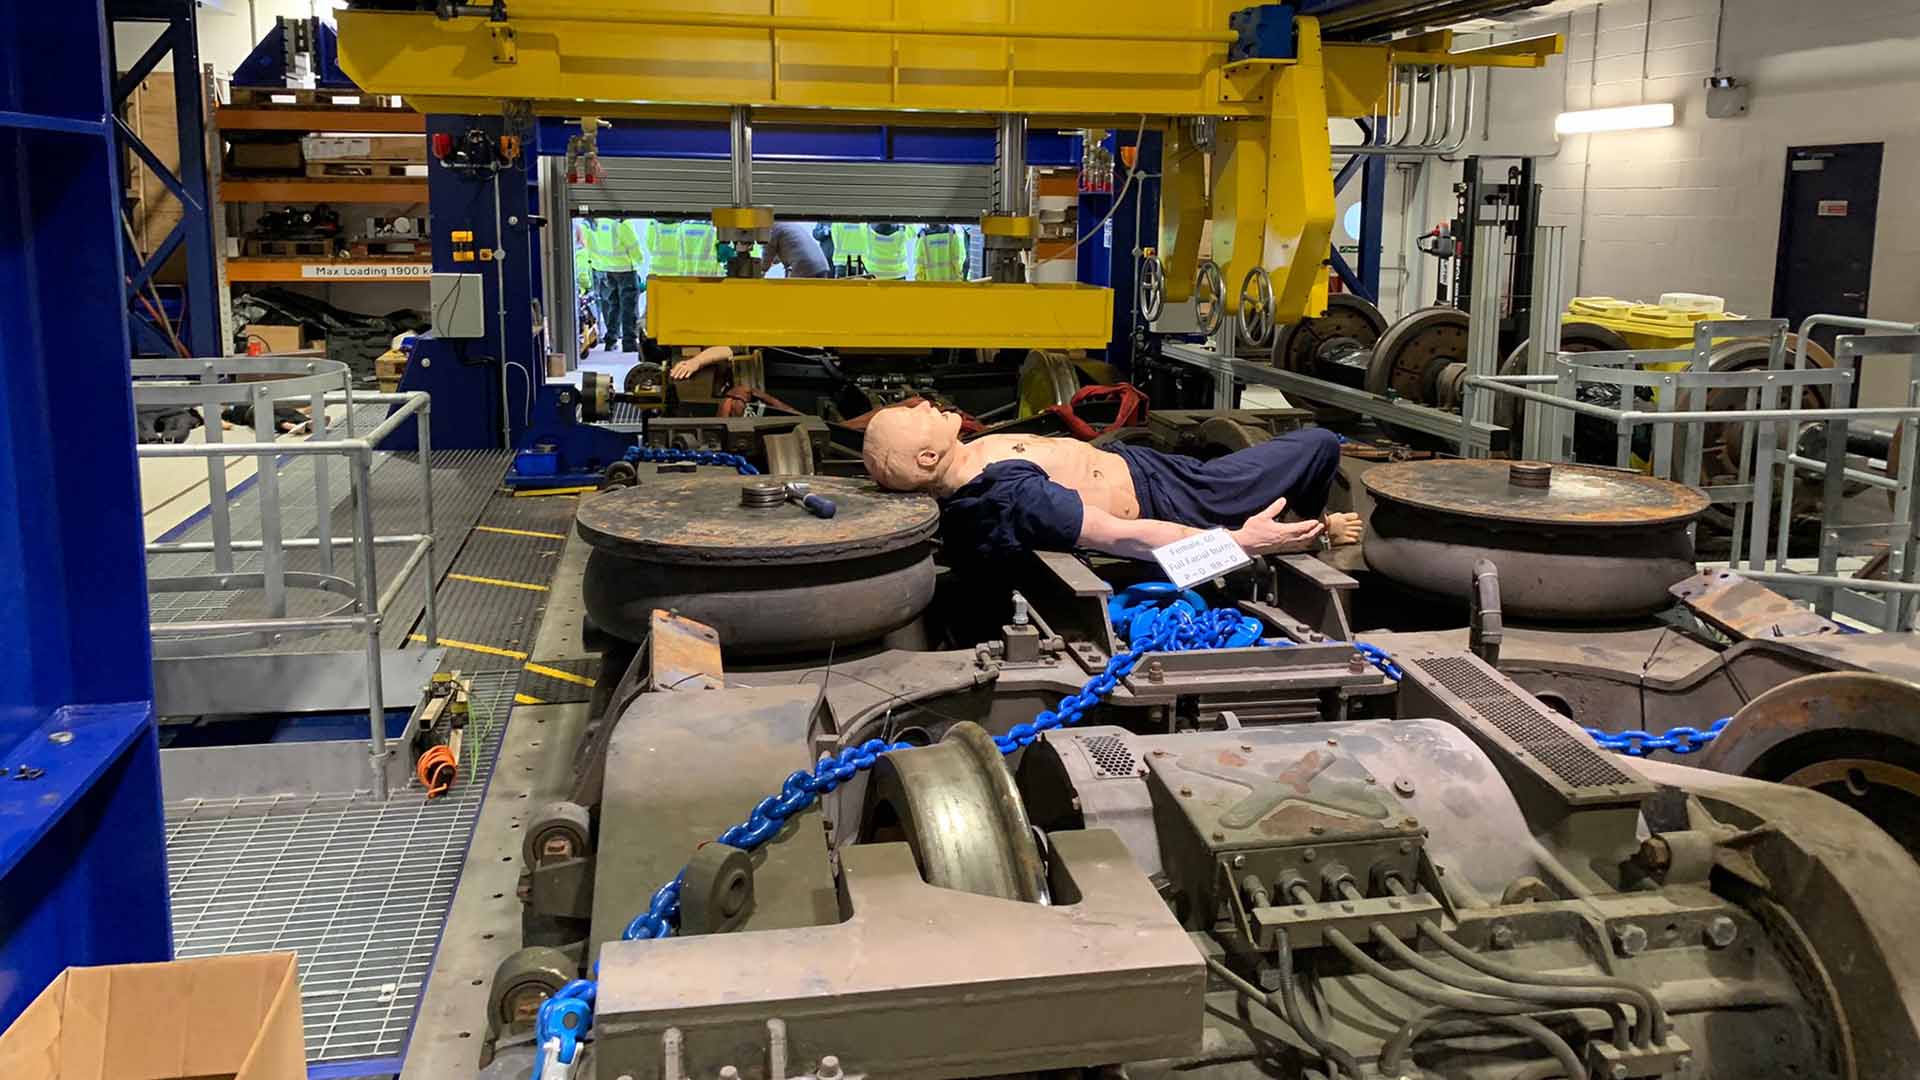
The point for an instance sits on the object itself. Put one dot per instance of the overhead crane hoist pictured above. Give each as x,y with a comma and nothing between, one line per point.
1256,84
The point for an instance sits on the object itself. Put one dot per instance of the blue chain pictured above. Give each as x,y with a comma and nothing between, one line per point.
1677,740
662,454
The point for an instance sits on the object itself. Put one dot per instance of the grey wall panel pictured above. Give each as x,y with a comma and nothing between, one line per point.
810,190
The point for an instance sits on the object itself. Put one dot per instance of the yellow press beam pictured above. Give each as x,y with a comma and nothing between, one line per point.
881,314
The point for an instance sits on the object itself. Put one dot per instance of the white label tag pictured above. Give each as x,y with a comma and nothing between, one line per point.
1831,208
1201,557
374,271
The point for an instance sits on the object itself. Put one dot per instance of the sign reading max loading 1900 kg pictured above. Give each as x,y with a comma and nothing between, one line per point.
353,271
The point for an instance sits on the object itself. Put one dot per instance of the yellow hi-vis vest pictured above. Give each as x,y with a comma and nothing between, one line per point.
850,241
887,258
940,255
697,255
611,245
663,250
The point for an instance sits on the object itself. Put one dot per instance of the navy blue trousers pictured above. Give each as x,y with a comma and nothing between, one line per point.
1228,490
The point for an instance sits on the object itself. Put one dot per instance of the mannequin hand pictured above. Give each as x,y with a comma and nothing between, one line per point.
686,369
1343,528
1265,534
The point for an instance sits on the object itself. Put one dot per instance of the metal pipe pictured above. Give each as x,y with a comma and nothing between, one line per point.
1776,415
740,157
1010,166
1496,383
251,626
1653,1018
425,435
400,576
1788,577
1287,1009
1603,998
1860,475
308,543
1453,98
370,610
913,28
322,481
215,451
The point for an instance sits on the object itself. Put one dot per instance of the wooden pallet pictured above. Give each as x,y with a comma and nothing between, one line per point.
323,249
389,246
359,170
264,97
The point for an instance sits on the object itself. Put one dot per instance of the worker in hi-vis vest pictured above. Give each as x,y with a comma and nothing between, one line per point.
663,249
940,254
699,256
887,251
614,252
849,244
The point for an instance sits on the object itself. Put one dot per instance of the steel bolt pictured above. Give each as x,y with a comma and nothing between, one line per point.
829,1068
1155,673
1356,664
1316,829
1406,847
1239,861
1410,822
1333,742
1315,635
1308,855
1683,1062
729,1072
1403,787
1186,792
1347,907
1501,936
1219,835
1159,753
1721,931
1630,939
1246,748
60,738
1618,1072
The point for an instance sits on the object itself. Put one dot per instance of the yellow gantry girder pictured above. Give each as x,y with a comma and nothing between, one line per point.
1102,63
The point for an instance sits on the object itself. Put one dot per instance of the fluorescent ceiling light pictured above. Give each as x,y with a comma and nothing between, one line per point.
1625,118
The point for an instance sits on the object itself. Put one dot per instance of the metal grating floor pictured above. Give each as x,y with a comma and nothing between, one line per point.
358,889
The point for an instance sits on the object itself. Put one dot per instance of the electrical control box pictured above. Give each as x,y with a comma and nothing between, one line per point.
458,306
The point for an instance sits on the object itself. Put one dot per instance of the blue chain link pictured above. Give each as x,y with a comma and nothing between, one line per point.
663,455
1677,740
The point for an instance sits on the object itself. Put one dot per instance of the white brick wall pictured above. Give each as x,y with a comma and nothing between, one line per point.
1696,207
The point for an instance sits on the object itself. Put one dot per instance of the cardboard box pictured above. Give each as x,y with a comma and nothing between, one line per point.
274,339
264,155
216,1018
365,147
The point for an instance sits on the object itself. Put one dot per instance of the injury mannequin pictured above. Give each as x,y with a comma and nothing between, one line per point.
1004,493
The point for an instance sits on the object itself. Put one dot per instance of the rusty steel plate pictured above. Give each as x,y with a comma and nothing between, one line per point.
699,519
1574,496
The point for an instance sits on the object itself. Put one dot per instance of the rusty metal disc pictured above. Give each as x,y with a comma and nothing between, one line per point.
1852,735
1409,357
699,519
1304,346
1574,495
1570,542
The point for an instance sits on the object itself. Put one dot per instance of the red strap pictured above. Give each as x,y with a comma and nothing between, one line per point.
1132,410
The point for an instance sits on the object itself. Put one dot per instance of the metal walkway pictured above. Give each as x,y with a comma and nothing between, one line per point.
357,888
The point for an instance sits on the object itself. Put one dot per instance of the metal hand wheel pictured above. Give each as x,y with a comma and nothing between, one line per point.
1150,291
1256,310
1209,297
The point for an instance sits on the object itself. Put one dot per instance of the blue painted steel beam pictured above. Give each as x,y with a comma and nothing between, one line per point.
82,845
130,80
820,142
1373,205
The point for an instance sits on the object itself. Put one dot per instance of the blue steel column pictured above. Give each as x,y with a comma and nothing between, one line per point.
1135,224
1373,204
82,843
188,184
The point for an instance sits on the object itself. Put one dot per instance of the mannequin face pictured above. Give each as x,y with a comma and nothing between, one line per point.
906,445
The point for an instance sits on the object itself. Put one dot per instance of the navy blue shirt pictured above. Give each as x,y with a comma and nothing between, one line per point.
1010,507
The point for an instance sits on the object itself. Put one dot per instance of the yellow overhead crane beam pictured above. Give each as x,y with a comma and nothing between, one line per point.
1083,63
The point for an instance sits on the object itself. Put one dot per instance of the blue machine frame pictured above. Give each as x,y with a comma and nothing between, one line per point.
82,842
189,184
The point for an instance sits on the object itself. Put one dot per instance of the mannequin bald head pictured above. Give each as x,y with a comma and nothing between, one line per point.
908,447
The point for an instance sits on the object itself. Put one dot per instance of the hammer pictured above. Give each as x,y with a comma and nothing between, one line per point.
818,505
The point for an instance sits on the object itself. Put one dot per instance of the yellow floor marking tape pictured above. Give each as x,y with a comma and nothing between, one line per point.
476,579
